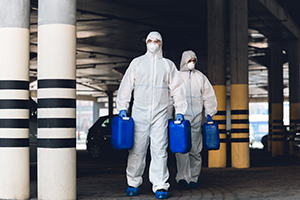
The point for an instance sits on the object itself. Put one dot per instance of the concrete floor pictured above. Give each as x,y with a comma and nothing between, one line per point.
268,178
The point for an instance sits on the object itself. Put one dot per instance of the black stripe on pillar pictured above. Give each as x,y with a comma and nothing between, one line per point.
14,85
292,121
238,140
278,139
14,104
221,113
56,83
220,121
14,123
222,131
56,122
240,121
56,143
57,103
239,112
278,133
14,142
242,130
277,121
222,140
278,127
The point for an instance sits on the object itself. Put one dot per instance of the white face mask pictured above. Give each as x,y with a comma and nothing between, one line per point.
191,65
152,47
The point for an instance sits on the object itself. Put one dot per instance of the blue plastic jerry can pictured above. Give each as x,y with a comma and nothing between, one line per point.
180,136
122,132
211,135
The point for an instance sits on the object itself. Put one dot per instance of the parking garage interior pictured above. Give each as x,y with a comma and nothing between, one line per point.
248,49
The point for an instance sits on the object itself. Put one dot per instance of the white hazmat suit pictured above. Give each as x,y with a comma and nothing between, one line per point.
199,93
154,79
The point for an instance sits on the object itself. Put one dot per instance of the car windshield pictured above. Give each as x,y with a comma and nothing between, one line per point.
102,122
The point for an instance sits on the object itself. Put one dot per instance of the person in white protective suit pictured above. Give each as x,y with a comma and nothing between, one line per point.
154,79
200,93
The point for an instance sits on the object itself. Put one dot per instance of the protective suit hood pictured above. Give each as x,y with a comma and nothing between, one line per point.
153,35
186,56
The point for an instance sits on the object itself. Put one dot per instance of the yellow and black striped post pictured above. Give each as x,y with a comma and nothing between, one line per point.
294,94
240,157
294,118
277,128
240,126
277,98
217,159
217,74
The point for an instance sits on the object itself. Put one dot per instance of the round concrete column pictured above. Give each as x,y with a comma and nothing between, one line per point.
14,99
270,90
240,155
294,87
277,98
57,99
217,74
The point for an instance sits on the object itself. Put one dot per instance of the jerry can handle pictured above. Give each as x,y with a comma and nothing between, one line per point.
177,122
125,118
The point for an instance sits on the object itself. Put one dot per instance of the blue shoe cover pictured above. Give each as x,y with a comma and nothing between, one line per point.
161,194
132,191
193,185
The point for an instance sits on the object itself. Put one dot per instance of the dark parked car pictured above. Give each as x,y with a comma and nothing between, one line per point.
98,140
99,146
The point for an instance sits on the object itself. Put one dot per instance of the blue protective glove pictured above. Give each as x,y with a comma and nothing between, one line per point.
179,117
209,119
123,113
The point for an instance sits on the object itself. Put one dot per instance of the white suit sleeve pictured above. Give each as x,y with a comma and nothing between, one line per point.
125,89
170,108
209,98
177,91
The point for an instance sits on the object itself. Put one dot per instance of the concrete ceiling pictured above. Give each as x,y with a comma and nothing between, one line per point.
111,33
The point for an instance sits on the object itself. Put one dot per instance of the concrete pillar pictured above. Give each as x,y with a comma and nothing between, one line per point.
110,88
57,99
277,98
110,104
270,89
294,87
240,157
14,99
217,74
96,113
